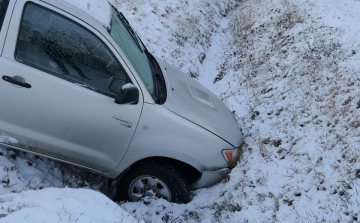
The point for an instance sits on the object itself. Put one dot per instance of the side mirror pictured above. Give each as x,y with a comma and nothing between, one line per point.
128,94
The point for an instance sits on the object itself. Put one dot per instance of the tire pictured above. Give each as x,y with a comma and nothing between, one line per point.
153,179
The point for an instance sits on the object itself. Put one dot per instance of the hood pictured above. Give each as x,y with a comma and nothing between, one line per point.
192,101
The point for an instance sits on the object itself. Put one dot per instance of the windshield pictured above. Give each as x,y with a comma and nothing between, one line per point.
133,49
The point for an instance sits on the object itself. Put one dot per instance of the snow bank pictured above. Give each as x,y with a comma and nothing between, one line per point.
97,9
61,205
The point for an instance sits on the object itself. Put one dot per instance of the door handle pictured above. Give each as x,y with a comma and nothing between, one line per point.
14,81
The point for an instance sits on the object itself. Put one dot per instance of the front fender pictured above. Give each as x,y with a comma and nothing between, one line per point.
162,133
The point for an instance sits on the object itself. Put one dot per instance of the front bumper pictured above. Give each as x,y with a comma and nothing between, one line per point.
209,178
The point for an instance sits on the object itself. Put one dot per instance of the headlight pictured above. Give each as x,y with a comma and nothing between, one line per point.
230,155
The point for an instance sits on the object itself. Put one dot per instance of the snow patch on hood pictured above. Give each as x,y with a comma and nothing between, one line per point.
7,139
97,9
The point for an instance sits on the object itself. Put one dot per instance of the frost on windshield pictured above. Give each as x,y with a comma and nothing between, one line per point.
97,9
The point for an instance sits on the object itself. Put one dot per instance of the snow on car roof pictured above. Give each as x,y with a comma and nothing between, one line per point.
97,9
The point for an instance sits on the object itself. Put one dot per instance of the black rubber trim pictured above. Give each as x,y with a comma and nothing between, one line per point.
11,80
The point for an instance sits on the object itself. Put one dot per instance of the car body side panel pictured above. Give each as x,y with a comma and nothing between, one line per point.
162,133
68,122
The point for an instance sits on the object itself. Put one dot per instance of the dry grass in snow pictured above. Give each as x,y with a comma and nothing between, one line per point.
295,68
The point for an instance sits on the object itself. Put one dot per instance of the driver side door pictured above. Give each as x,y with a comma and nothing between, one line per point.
59,81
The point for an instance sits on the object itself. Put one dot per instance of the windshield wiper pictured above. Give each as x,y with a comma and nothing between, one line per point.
159,81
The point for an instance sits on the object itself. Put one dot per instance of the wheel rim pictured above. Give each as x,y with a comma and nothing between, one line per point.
148,186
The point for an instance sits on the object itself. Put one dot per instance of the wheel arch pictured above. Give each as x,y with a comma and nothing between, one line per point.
190,173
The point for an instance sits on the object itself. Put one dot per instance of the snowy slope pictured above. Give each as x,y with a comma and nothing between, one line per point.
178,31
289,70
296,70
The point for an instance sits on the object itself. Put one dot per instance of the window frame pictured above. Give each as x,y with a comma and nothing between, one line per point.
64,77
7,2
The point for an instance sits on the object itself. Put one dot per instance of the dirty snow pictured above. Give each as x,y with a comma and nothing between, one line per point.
289,71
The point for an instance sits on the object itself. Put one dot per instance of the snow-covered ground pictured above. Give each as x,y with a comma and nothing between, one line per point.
61,205
36,189
289,70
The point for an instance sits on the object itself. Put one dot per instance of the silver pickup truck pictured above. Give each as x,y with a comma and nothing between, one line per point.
82,88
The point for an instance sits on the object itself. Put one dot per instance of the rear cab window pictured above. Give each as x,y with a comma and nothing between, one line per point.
3,6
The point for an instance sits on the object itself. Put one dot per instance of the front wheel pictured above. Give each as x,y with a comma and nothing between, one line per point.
152,179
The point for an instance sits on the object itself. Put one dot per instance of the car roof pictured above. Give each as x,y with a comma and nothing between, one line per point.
86,11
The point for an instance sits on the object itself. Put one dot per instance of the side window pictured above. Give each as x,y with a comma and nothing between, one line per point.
55,44
3,7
